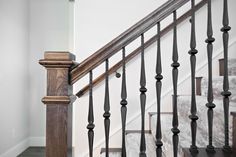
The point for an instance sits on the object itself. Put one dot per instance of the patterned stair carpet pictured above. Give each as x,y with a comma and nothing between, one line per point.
133,144
184,125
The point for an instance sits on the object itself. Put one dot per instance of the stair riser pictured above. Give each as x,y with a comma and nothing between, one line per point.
231,67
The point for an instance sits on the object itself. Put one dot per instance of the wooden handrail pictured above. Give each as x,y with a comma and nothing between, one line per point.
124,39
138,50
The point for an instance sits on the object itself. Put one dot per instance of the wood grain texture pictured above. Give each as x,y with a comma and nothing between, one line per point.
58,101
198,85
137,51
125,38
234,130
221,67
110,150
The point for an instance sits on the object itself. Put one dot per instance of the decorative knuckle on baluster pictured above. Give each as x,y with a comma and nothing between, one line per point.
123,102
106,115
193,117
143,89
210,40
225,29
90,126
159,143
193,51
226,93
175,64
175,131
159,77
210,105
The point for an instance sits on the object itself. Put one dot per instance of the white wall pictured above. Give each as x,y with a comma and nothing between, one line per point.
47,25
28,28
96,23
49,31
14,108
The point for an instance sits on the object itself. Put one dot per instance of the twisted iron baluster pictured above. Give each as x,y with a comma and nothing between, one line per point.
107,114
193,148
158,77
123,103
210,98
175,65
143,90
90,126
226,93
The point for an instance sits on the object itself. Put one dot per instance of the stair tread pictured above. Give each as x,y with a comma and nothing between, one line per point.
185,132
133,144
112,154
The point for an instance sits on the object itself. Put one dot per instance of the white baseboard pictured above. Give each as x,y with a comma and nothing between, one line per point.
23,145
17,149
37,141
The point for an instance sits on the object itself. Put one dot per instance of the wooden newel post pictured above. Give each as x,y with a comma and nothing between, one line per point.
58,102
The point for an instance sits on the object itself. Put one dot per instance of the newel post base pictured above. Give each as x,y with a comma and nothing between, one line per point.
58,103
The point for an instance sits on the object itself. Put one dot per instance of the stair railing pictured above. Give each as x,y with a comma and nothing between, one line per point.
63,72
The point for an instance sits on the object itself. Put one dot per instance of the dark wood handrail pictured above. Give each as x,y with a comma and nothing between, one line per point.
124,39
138,50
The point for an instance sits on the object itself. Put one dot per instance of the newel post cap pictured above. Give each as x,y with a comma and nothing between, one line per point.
57,59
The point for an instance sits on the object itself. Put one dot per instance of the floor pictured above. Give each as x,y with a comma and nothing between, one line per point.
33,152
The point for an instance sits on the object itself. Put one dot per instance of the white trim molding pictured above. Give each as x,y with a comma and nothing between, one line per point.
17,149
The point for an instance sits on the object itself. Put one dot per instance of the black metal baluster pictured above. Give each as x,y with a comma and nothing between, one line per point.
90,125
175,65
123,103
143,90
226,93
107,114
193,148
158,77
210,98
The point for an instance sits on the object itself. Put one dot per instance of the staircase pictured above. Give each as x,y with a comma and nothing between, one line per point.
133,137
199,124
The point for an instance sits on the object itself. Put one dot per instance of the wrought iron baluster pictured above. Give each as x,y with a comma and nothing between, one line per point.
107,114
193,148
158,77
226,93
90,125
210,98
143,90
123,103
175,65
